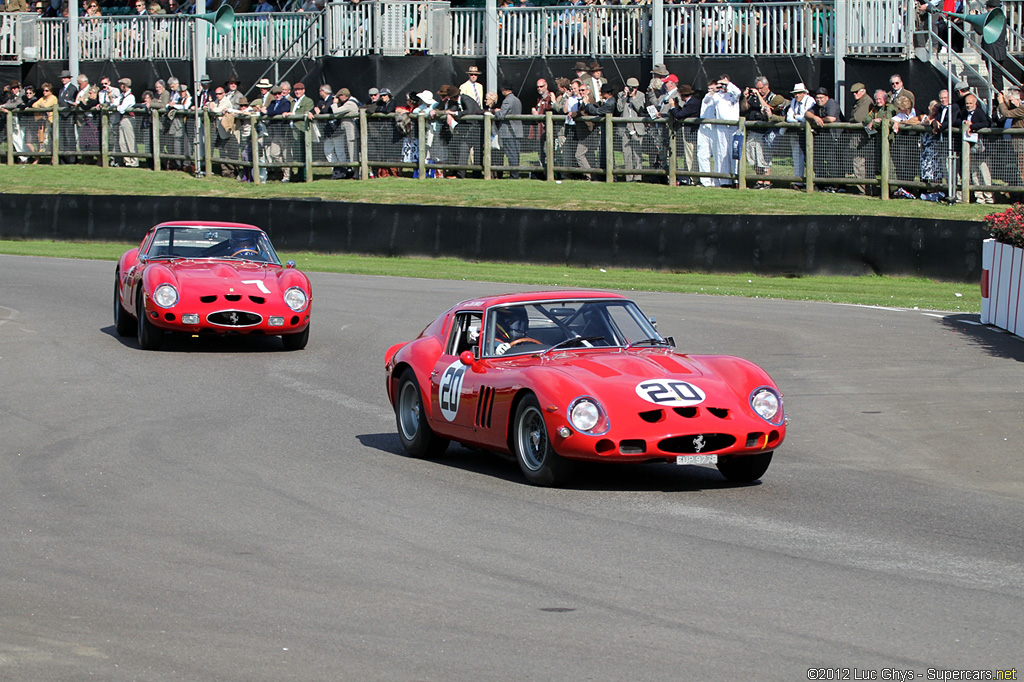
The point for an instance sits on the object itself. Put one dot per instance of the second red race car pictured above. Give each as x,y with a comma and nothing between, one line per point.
553,377
209,278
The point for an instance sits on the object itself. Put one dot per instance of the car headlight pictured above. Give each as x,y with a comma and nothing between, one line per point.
587,416
165,295
768,404
295,298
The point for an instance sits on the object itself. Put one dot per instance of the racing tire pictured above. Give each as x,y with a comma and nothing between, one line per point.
150,336
744,468
418,439
124,325
537,458
296,341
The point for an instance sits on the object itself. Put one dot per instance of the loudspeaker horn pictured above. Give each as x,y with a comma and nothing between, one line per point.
223,19
989,26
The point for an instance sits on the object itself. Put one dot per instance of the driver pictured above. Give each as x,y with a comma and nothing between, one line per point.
511,325
243,245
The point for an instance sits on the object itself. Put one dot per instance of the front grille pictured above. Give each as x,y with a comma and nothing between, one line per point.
234,318
698,442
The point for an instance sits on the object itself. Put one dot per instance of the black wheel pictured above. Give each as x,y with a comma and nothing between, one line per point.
150,336
296,341
744,468
539,462
416,435
123,323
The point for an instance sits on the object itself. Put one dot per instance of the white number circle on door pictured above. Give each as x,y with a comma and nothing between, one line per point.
670,392
449,389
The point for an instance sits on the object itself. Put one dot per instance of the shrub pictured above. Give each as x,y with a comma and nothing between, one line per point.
1008,226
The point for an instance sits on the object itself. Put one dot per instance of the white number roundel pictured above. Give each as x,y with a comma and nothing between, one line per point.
670,393
449,389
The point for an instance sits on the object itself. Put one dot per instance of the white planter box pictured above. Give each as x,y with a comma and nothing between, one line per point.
1002,286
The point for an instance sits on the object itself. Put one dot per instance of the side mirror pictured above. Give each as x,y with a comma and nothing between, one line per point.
467,357
290,264
654,322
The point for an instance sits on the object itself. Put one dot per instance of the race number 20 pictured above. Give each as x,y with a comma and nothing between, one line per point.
670,392
450,389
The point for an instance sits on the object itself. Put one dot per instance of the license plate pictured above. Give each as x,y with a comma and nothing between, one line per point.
697,459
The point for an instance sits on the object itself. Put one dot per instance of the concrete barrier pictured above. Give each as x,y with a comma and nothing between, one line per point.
763,244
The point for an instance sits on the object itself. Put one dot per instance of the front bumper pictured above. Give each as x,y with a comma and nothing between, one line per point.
229,321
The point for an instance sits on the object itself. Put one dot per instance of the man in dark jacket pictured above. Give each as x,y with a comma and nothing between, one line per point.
974,119
467,135
606,105
66,101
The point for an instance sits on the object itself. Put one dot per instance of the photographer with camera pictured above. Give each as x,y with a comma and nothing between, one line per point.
714,139
759,103
631,104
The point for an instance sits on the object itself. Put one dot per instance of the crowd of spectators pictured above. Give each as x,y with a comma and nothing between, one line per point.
96,8
653,111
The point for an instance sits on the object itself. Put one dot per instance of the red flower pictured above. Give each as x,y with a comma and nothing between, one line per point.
1008,226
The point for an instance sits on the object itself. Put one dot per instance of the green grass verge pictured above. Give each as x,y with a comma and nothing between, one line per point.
569,195
899,292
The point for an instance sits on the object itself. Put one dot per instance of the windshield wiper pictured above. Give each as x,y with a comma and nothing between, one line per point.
565,343
163,256
649,342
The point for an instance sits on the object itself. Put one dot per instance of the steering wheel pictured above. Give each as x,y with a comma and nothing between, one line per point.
504,347
245,251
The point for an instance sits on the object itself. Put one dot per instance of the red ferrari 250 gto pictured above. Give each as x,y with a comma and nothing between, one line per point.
209,278
553,377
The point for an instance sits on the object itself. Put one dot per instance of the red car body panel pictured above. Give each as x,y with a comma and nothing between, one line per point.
477,408
211,285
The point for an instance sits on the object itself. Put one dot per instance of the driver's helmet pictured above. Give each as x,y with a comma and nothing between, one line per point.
243,243
511,323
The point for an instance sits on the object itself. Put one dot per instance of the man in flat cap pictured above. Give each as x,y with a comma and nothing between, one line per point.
860,143
126,129
631,104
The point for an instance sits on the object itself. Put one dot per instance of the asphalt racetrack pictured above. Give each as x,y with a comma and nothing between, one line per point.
224,510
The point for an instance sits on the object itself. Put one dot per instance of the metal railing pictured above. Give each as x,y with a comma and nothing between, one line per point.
254,36
835,157
882,28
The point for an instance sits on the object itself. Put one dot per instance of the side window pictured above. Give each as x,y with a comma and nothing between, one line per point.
465,333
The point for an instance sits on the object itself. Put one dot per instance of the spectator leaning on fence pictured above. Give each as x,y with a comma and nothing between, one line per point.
126,128
759,103
797,113
860,144
1011,110
688,107
974,119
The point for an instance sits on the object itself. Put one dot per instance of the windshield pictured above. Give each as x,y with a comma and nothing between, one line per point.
212,242
536,327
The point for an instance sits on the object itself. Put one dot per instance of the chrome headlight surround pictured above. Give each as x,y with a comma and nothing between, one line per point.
587,416
296,299
767,404
165,296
